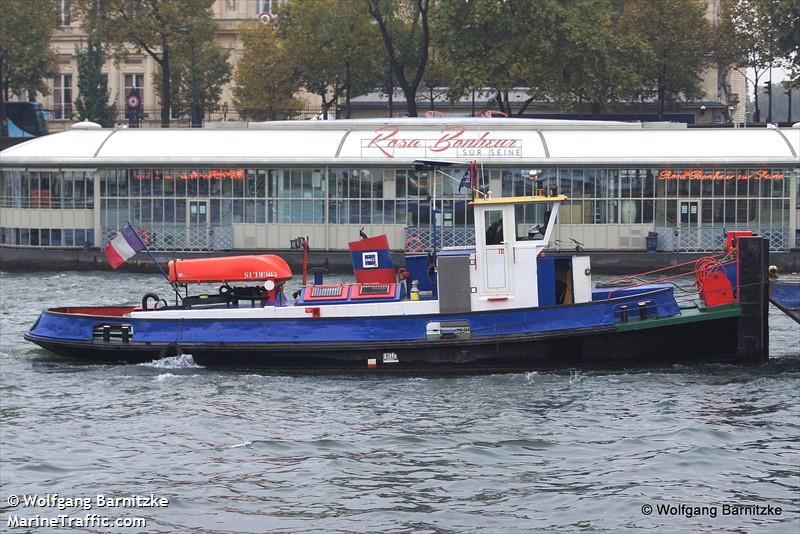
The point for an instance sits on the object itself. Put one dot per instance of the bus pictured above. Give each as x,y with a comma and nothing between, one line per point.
26,119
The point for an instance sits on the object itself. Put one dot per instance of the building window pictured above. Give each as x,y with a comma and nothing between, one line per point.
264,6
231,5
62,96
64,17
134,84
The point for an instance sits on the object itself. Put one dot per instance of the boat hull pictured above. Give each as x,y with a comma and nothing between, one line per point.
785,295
703,338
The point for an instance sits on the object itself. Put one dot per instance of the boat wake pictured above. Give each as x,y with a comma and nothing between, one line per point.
181,361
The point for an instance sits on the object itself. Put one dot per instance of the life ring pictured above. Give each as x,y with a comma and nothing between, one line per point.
144,233
415,244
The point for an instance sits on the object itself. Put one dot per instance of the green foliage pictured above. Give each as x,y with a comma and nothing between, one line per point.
438,79
334,47
787,25
211,72
92,102
154,27
500,44
672,62
753,43
26,59
264,78
594,60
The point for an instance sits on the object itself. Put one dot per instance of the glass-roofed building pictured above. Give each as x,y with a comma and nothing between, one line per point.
259,188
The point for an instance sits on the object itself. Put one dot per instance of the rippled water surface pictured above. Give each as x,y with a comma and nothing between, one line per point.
239,452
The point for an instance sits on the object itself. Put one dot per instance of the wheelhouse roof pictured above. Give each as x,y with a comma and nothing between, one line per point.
399,142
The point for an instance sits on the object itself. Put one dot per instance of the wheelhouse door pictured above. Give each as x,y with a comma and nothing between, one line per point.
497,271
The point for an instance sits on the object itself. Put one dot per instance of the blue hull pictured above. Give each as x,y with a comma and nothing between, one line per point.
785,294
54,325
594,333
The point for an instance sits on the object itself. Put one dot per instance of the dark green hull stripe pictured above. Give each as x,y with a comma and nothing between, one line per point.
692,315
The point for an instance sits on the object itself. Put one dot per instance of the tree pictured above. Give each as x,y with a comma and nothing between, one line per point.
596,62
334,47
752,39
26,59
405,31
211,72
438,79
152,27
500,44
264,80
787,26
672,64
92,102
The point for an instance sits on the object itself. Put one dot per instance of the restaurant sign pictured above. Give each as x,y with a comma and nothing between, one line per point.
456,142
715,176
210,174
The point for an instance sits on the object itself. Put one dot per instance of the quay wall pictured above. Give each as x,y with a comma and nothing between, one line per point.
338,262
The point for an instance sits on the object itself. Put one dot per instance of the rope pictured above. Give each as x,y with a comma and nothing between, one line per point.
662,269
703,267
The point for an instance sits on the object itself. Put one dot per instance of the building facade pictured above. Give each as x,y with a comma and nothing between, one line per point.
261,187
138,73
724,100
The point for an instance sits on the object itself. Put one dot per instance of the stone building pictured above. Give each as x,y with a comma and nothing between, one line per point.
725,93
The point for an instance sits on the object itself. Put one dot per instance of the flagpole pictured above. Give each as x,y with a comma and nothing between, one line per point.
160,268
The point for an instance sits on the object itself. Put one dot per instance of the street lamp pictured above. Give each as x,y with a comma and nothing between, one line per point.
195,103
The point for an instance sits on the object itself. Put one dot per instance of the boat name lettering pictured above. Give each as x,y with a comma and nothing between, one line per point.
213,174
387,140
697,174
259,275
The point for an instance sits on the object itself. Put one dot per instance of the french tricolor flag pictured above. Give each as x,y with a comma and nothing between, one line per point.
124,246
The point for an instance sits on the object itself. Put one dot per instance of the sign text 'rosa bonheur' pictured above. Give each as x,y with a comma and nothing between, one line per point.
718,176
452,141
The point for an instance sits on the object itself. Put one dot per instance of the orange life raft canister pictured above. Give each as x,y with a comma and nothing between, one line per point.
230,269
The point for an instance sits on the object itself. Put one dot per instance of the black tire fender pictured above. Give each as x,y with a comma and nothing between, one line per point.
147,298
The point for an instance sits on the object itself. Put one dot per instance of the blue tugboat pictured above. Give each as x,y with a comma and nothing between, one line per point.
503,305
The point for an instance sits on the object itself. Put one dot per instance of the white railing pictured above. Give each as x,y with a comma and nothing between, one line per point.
710,239
180,237
447,237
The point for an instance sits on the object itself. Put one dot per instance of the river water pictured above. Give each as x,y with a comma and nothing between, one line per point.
240,452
